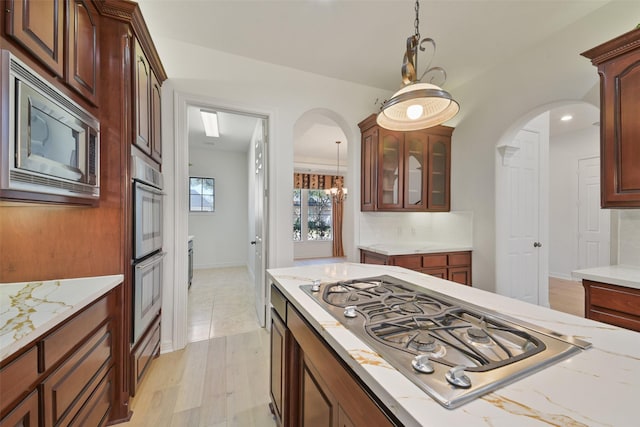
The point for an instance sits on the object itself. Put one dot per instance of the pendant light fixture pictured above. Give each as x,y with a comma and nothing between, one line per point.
338,192
418,104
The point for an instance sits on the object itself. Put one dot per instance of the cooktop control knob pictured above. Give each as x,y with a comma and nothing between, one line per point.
457,377
421,363
350,311
315,286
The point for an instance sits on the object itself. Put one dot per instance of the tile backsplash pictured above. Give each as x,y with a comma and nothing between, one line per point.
629,236
406,227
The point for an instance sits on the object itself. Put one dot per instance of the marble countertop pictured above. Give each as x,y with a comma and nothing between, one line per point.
29,309
409,248
597,387
621,275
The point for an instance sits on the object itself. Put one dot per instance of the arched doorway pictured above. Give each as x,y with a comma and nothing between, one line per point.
543,197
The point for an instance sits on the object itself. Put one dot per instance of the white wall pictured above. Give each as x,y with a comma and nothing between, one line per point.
493,106
564,153
221,237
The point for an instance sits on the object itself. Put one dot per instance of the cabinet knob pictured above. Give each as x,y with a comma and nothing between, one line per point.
537,244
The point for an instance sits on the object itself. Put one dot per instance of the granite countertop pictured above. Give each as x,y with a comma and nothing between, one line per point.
30,309
621,275
409,248
597,387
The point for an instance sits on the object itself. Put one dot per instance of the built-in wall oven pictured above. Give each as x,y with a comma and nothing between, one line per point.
147,245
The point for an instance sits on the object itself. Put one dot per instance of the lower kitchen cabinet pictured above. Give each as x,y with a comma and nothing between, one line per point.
66,377
310,386
147,348
328,393
453,266
612,304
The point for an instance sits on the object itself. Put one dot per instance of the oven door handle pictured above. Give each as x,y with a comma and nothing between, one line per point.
146,187
148,263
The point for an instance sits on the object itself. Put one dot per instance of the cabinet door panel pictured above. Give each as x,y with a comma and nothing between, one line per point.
82,66
390,170
39,27
142,91
439,175
156,119
317,408
415,188
25,414
627,100
278,351
18,377
369,170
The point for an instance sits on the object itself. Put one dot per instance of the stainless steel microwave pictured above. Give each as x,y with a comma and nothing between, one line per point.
50,145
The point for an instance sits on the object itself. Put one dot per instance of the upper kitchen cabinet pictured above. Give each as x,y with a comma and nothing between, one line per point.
147,98
618,63
38,26
82,71
63,36
405,171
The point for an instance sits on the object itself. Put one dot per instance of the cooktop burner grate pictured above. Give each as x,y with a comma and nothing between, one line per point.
453,350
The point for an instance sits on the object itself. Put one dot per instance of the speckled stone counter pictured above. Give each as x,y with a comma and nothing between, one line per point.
409,248
621,275
29,309
597,387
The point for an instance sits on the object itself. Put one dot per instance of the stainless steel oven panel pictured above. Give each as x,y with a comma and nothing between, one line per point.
147,234
147,293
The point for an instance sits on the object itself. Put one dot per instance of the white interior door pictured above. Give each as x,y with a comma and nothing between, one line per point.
260,222
593,222
523,244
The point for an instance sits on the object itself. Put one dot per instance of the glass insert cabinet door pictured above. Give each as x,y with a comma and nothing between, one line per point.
416,155
390,170
439,163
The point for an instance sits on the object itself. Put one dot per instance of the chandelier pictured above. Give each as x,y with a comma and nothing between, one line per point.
417,105
338,192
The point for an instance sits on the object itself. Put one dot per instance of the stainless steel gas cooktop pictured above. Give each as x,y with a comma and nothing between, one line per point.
453,350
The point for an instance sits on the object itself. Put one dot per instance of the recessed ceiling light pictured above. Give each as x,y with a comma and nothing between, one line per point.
566,117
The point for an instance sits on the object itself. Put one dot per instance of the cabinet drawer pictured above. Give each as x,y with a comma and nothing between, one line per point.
615,298
75,331
460,258
75,380
148,347
25,414
410,261
95,411
440,272
439,260
18,377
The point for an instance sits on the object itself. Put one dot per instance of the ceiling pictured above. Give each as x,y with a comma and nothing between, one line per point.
363,40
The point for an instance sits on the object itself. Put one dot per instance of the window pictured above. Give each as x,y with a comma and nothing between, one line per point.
202,194
315,207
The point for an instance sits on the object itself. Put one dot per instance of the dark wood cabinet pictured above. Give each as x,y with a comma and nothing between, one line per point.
82,69
66,377
618,63
26,414
63,35
613,304
142,99
453,266
309,385
329,394
38,26
155,117
147,106
405,171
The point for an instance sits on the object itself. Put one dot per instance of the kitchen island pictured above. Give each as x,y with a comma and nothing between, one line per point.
598,386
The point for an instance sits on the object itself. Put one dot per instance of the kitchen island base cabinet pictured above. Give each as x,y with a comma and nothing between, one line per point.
328,393
612,304
25,415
